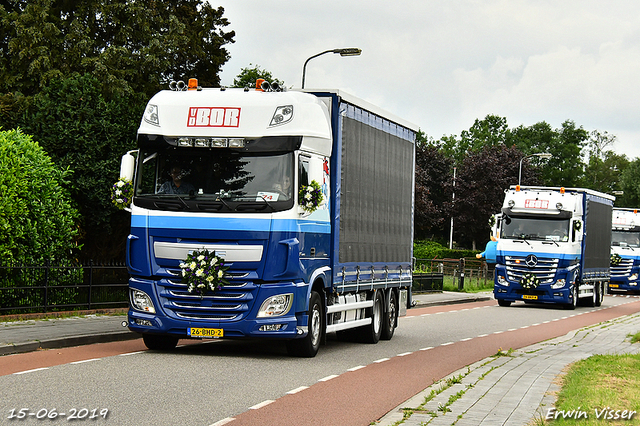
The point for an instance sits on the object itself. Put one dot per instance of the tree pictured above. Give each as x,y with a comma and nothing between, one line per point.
480,184
36,211
490,132
565,167
433,191
83,130
249,76
602,172
630,185
128,45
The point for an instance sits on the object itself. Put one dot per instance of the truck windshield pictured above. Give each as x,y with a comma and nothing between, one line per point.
535,229
625,239
215,179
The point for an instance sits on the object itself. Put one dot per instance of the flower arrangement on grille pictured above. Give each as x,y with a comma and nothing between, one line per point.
203,271
122,193
529,281
310,196
615,259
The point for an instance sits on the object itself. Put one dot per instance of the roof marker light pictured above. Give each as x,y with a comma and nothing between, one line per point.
193,84
562,190
517,188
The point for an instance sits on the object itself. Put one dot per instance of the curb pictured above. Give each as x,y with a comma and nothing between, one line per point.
67,342
469,299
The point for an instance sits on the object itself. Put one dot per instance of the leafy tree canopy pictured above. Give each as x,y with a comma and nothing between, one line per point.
433,189
36,212
249,75
84,131
128,45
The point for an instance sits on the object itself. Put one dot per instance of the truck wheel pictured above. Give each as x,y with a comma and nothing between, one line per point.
374,330
574,302
593,300
389,318
599,293
158,342
308,346
504,303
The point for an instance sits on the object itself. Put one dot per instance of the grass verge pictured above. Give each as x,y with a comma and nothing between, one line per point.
599,390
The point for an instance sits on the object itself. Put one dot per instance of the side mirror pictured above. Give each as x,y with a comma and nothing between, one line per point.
127,166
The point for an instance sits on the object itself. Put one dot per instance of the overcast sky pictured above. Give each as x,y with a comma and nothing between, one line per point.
441,64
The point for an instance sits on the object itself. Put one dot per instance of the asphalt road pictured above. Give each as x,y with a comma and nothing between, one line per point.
257,383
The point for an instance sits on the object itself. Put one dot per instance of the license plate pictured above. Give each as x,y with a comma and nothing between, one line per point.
529,297
205,333
613,285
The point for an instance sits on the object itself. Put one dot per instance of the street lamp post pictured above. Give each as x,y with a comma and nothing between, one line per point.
544,155
349,51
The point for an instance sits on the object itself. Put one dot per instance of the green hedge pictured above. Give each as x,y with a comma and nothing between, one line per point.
432,250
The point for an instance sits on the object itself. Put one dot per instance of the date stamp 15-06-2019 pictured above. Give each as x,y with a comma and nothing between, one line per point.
52,414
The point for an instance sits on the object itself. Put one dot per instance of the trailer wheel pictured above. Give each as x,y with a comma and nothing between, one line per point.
374,330
504,303
574,298
599,293
593,300
308,346
158,342
390,317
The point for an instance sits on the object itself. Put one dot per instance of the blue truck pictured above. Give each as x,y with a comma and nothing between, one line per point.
625,250
554,246
226,172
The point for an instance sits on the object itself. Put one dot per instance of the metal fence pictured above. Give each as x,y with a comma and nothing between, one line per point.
430,274
62,287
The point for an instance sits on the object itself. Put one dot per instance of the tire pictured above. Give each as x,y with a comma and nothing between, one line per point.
593,300
599,293
308,346
504,303
159,342
389,318
573,303
373,331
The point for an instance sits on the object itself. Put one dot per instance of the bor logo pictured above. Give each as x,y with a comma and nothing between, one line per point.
531,260
213,117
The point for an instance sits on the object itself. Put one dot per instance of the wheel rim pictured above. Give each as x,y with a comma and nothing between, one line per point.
377,315
575,296
315,325
392,313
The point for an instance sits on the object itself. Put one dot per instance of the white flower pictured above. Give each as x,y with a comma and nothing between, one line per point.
193,265
201,285
184,272
199,272
118,192
309,205
214,261
201,258
220,274
307,196
209,278
120,184
119,200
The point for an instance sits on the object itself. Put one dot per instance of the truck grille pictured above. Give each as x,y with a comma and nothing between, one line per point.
623,269
232,302
544,269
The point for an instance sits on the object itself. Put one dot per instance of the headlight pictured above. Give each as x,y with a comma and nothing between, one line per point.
503,281
141,301
633,277
151,115
559,284
276,306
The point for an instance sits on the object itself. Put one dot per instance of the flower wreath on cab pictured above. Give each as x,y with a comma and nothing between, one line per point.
310,196
203,271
